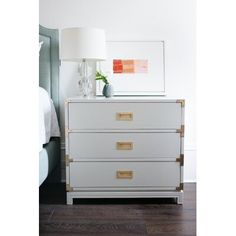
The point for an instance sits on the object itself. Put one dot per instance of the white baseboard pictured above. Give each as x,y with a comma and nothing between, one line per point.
190,181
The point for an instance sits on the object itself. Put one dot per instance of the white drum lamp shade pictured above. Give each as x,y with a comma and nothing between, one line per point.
83,43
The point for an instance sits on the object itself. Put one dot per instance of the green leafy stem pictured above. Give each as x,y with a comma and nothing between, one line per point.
102,77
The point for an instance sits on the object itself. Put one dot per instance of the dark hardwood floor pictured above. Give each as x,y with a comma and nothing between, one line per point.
115,216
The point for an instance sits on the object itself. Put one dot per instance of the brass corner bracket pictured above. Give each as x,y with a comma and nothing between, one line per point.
68,160
68,188
67,130
182,101
181,131
181,187
180,159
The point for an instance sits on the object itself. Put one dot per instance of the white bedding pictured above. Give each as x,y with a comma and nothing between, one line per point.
48,123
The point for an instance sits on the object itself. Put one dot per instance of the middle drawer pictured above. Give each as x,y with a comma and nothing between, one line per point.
124,145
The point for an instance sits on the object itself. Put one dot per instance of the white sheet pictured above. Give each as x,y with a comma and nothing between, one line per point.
48,123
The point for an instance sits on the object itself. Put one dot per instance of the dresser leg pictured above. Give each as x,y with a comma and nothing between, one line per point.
69,200
180,199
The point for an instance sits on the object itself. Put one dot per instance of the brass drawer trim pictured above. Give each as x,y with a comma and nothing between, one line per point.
124,145
182,101
124,116
68,160
181,131
180,159
180,188
68,188
124,174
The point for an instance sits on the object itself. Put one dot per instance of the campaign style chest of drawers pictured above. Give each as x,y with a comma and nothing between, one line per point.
124,148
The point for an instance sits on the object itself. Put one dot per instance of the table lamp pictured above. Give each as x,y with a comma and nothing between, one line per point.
83,45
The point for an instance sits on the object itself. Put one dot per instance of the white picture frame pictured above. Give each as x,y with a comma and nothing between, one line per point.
150,83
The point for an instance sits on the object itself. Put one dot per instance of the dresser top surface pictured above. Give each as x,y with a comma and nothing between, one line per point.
123,99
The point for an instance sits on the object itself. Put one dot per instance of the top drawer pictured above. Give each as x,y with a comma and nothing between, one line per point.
124,115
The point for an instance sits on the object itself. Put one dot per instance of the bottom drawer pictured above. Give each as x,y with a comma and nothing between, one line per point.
124,174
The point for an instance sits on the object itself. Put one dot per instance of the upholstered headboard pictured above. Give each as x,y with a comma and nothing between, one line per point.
49,63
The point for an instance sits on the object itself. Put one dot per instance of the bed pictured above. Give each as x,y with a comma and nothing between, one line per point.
49,151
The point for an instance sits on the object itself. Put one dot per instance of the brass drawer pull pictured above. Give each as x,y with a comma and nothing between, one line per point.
124,146
124,174
124,116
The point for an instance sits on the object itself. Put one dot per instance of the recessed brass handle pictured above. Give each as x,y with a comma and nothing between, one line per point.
124,116
124,146
124,174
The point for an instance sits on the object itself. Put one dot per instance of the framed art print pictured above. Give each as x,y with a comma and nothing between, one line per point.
134,68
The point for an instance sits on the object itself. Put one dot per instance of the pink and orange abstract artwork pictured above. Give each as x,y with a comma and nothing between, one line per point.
130,66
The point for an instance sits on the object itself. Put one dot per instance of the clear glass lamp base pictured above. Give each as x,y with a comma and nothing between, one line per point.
85,86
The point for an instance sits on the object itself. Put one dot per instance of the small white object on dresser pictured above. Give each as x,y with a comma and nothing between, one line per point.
124,148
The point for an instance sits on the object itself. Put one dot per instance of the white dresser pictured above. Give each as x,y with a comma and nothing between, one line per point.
124,148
